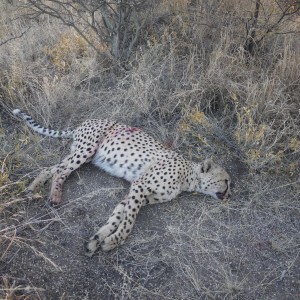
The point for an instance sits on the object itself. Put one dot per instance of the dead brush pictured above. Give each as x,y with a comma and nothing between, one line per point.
71,47
256,118
267,122
13,289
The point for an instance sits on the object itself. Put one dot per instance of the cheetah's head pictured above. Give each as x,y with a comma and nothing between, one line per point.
215,181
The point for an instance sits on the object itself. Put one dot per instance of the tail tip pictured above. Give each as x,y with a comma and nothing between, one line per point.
16,111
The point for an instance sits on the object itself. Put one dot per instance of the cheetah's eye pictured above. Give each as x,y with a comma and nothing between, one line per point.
206,166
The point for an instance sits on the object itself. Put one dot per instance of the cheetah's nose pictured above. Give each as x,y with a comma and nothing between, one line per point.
220,195
223,196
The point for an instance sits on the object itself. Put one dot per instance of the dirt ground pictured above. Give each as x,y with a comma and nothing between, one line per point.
191,248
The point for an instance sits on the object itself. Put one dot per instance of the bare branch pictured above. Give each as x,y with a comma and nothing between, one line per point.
250,43
118,24
286,12
15,37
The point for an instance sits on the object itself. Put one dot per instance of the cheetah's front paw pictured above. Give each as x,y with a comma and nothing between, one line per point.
91,247
110,243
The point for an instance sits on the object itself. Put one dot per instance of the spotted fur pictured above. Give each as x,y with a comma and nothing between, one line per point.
157,174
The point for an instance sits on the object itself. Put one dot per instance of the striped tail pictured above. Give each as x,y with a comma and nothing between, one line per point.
40,129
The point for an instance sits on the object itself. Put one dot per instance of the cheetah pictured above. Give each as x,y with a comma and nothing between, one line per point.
157,174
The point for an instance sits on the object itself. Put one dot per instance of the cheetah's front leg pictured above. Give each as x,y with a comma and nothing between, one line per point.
112,224
120,223
135,200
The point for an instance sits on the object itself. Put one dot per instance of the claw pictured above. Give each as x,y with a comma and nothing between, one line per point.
53,204
91,247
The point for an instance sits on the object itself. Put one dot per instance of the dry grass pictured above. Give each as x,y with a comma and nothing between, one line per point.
191,85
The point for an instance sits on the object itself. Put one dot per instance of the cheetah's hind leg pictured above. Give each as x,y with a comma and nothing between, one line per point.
41,179
63,170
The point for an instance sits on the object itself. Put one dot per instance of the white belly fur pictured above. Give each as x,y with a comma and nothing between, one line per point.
120,168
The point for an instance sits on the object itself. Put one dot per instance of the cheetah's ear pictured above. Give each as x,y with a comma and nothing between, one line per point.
206,165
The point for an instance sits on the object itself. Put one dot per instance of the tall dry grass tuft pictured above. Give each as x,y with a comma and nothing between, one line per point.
15,288
256,107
